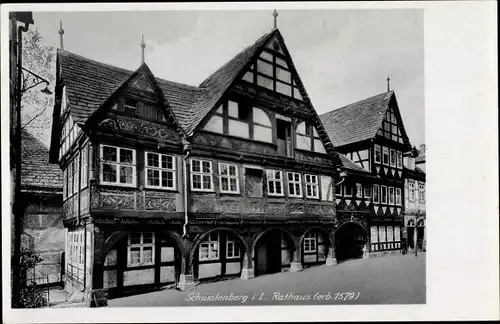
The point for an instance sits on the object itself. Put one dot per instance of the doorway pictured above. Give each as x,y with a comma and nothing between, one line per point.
349,241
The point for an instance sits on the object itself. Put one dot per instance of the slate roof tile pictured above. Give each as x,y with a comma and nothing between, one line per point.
35,168
350,165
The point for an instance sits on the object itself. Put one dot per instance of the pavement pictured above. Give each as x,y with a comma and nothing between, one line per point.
398,279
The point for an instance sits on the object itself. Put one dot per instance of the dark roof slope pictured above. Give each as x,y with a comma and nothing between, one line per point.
350,165
35,168
420,158
358,121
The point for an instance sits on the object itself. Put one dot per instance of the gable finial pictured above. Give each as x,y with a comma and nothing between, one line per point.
388,84
61,33
143,45
275,15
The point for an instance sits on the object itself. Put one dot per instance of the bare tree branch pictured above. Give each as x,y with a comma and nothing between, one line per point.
35,117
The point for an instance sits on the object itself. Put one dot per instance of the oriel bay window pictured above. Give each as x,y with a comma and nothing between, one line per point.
312,190
294,184
118,166
141,249
229,178
209,247
274,183
160,171
201,175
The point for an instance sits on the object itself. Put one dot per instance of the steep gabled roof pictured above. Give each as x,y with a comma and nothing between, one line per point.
358,121
36,172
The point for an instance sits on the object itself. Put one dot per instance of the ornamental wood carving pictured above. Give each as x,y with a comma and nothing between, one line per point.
233,144
163,204
313,159
117,199
138,126
201,204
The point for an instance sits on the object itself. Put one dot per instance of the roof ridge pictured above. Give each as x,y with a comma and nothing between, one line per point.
95,61
31,136
356,102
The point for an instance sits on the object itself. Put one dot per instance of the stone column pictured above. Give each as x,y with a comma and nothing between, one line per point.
96,296
331,258
296,264
247,271
366,247
186,277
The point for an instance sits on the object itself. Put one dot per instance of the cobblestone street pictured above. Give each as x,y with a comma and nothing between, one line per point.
386,280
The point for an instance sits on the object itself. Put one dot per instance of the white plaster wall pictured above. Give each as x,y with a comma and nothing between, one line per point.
138,277
109,279
209,270
263,134
233,268
259,116
303,142
167,254
310,258
214,125
239,129
286,256
318,146
167,274
326,188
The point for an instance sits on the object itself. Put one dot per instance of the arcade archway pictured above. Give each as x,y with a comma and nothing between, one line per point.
273,251
349,241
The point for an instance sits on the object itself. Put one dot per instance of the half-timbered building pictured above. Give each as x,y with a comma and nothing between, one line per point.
370,133
166,183
414,202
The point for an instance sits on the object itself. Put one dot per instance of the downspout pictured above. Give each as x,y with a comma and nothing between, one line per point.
187,150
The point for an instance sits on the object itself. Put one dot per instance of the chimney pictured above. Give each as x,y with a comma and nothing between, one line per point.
422,149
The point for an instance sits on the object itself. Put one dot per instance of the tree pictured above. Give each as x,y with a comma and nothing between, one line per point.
36,107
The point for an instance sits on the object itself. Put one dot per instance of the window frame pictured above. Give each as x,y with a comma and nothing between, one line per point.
392,153
399,159
310,237
411,190
160,169
312,184
294,183
339,193
201,174
379,149
421,192
382,200
84,167
236,247
228,177
377,195
208,241
118,165
367,191
398,201
391,197
274,181
141,247
346,189
359,190
385,150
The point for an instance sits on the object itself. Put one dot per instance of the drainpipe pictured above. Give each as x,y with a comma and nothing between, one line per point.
187,150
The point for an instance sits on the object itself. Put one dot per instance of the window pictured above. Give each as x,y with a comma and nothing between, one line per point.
274,183
294,184
254,182
385,155
75,255
117,166
130,106
368,191
338,190
65,183
141,249
160,171
393,158
84,173
228,178
70,179
411,184
209,247
310,242
348,190
312,190
201,175
398,196
383,199
400,160
421,192
377,154
76,173
391,195
376,194
359,190
233,247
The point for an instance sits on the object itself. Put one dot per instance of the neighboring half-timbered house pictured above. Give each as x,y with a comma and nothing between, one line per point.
166,183
372,135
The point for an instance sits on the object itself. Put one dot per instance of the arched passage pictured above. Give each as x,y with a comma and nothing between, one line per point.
349,241
273,250
136,261
218,253
314,244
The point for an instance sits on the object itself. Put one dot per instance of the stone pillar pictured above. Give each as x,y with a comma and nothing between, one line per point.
95,295
296,264
366,247
247,270
331,258
186,277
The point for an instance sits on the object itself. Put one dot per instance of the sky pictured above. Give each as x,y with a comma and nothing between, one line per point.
342,56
